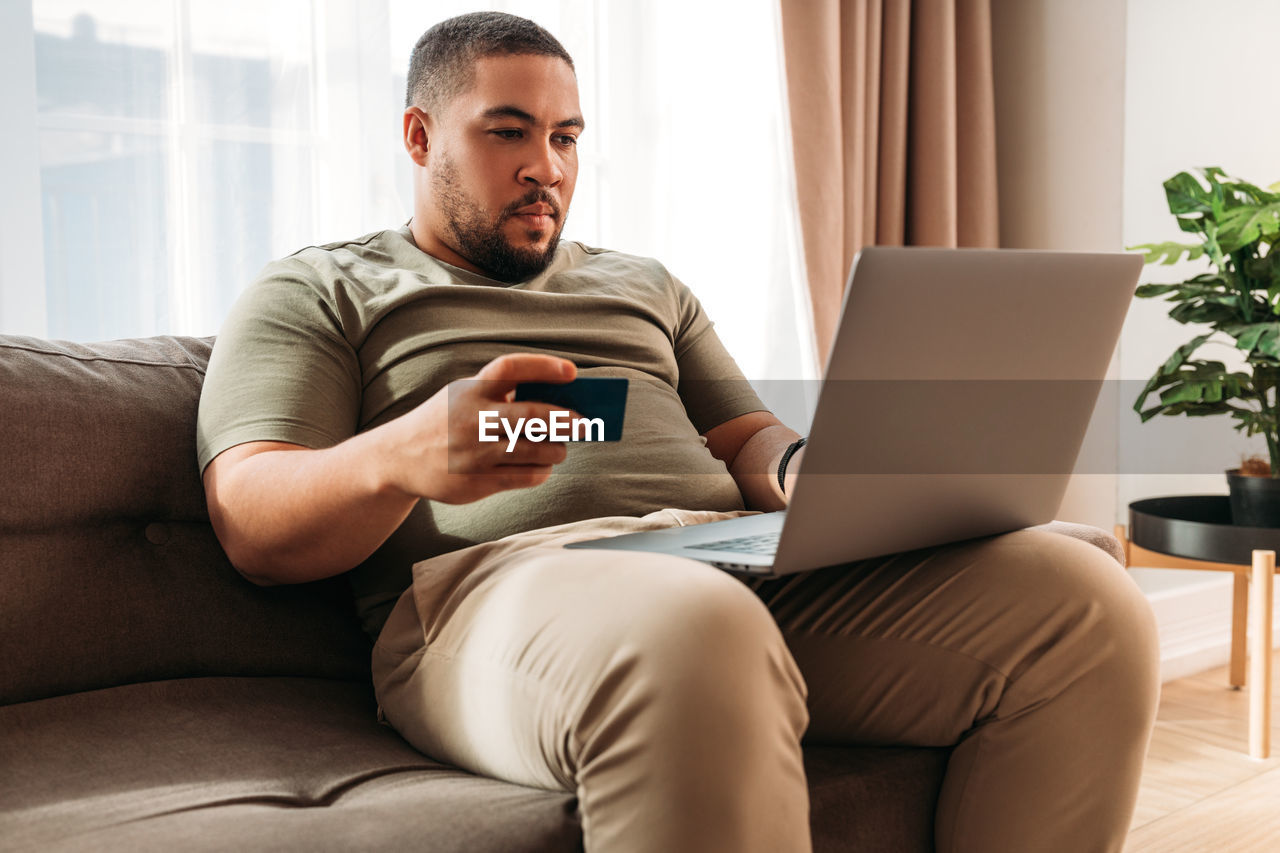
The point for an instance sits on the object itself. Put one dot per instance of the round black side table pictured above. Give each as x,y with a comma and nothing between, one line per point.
1195,532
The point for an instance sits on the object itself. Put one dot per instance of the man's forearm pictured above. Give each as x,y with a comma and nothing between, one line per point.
755,468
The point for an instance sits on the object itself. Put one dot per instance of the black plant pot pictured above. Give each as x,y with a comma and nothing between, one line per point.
1255,501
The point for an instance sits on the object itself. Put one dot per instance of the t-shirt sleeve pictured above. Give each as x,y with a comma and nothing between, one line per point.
711,385
281,369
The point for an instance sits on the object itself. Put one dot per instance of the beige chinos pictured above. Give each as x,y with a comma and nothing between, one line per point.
673,698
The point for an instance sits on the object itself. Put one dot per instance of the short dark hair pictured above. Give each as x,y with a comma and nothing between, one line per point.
442,65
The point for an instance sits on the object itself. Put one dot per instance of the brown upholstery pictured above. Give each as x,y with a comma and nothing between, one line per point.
232,763
110,570
227,763
150,698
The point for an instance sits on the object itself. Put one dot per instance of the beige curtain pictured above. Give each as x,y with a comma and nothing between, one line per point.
893,123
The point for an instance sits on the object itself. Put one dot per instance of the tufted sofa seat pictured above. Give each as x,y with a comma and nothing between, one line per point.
151,699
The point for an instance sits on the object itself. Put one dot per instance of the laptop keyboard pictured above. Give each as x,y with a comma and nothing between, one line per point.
762,543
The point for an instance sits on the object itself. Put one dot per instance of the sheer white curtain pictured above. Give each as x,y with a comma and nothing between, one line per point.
161,151
179,145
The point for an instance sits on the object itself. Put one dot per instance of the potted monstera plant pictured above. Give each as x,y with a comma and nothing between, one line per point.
1237,303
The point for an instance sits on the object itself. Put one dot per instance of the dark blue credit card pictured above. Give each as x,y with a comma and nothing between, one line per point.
592,397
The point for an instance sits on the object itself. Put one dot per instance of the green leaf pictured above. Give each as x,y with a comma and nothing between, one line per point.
1168,253
1191,409
1217,279
1189,202
1196,288
1252,194
1215,312
1246,335
1186,194
1182,353
1194,223
1147,291
1233,384
1194,386
1269,343
1260,340
1168,372
1207,391
1262,271
1202,410
1242,225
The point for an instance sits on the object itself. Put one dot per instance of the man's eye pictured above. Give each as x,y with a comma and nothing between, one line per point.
569,141
508,134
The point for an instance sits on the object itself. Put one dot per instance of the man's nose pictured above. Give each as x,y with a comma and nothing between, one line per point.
543,167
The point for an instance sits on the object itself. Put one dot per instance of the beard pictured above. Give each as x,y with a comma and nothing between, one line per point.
480,239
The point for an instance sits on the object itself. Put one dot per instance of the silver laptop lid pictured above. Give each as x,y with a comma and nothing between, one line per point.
967,379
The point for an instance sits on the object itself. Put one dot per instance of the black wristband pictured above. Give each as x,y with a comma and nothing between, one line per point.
786,457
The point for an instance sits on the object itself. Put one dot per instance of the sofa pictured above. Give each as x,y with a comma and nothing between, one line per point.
152,699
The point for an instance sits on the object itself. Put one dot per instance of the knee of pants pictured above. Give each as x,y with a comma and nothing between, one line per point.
711,624
1103,615
697,644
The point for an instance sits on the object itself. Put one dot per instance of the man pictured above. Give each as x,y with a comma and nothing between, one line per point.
337,433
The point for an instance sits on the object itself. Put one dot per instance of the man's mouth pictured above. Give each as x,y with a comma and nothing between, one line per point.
537,216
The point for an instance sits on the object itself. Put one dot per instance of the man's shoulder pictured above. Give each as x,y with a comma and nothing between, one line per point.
617,265
363,268
385,248
584,253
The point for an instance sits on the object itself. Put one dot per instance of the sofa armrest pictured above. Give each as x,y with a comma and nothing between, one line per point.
1087,533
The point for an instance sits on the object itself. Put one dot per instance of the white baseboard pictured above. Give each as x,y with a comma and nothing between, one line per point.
1195,626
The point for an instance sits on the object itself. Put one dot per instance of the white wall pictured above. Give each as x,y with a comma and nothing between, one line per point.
1185,110
1098,103
1059,70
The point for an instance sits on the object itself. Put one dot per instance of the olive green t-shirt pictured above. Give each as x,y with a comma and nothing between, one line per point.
338,339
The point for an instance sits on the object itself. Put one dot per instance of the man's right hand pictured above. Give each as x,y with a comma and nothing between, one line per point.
436,450
288,514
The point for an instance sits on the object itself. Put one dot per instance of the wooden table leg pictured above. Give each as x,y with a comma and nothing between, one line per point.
1239,626
1261,581
1123,535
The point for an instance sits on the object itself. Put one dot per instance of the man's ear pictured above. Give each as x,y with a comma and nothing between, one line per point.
416,134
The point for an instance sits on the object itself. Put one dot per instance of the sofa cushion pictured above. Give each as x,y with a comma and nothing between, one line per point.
218,763
873,799
302,764
110,569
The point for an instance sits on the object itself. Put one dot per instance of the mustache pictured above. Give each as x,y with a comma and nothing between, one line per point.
534,196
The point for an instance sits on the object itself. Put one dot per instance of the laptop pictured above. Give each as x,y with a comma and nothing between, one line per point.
953,405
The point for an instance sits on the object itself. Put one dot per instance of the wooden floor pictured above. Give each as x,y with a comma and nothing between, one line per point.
1200,789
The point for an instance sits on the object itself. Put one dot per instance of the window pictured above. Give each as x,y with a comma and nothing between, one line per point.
181,144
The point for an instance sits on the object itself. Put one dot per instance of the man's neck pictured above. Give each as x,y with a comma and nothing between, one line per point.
429,244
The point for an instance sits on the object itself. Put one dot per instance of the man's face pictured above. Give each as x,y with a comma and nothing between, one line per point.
500,166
